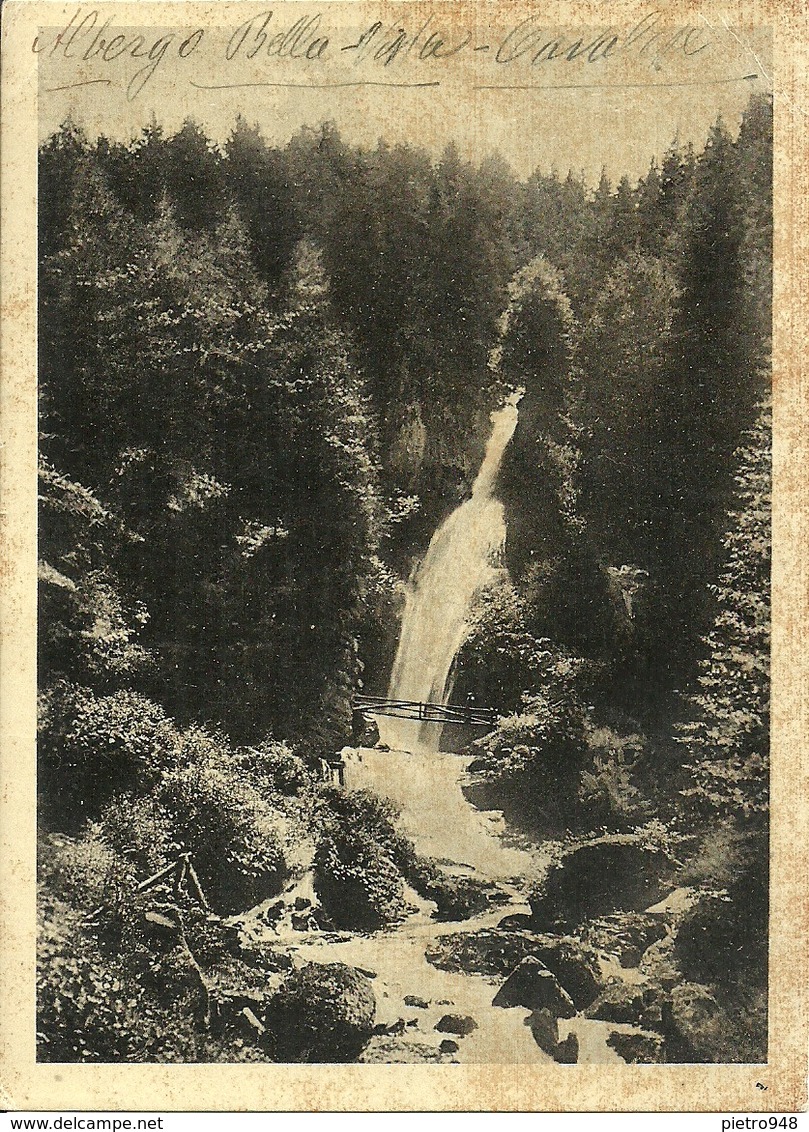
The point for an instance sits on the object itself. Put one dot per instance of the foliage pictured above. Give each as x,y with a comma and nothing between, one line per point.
89,1008
356,871
727,739
273,768
608,790
90,746
235,837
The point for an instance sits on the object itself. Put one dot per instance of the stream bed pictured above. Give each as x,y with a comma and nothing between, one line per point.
426,787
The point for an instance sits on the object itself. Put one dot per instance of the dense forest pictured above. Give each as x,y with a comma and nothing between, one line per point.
265,377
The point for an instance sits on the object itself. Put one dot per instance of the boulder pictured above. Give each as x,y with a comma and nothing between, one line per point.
265,956
495,952
273,912
545,1029
414,1000
659,964
638,1048
401,1050
567,1052
322,1013
304,922
516,922
617,872
626,935
620,1002
322,920
460,1024
449,1046
533,986
695,1026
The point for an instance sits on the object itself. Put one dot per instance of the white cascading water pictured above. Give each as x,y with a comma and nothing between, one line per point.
460,560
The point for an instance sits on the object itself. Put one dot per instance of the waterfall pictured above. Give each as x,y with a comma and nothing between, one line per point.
460,560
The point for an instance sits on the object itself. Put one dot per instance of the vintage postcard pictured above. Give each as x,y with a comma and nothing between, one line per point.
404,513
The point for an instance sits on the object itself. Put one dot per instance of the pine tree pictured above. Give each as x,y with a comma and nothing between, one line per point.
727,741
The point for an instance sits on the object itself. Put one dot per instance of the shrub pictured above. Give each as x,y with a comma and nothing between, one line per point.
323,1012
140,830
90,746
274,768
83,872
357,871
723,940
607,790
236,839
533,761
89,1008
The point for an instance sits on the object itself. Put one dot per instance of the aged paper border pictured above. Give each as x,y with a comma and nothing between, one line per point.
26,1085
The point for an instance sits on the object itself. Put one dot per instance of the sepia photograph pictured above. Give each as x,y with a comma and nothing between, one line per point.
404,458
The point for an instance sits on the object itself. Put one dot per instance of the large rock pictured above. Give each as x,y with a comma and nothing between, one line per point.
695,1026
626,935
496,953
617,872
322,1012
545,1029
659,964
620,1002
460,1024
567,1052
638,1048
533,986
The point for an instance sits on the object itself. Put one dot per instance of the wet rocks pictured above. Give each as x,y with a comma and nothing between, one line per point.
401,1050
626,935
638,1048
516,922
533,986
659,964
545,1030
620,1002
567,1052
601,876
495,952
460,1024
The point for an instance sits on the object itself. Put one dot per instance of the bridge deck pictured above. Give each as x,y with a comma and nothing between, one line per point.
426,711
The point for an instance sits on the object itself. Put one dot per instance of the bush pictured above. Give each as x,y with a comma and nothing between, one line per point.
323,1012
91,746
274,768
532,764
89,1008
607,790
83,872
142,831
357,871
235,838
724,939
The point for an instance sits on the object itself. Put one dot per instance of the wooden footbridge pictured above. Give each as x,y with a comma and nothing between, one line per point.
427,712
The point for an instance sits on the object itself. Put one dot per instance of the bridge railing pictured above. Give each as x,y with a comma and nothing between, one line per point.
426,711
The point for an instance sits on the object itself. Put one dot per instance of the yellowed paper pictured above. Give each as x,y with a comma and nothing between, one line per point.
622,80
